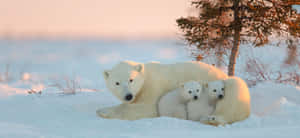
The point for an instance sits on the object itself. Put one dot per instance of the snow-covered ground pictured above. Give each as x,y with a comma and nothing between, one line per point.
43,65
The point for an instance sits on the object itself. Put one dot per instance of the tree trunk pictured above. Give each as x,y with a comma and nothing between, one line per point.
236,41
234,54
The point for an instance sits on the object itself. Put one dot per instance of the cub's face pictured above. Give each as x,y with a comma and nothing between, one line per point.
216,89
191,90
125,80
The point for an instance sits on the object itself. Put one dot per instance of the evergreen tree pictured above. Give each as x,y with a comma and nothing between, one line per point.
224,24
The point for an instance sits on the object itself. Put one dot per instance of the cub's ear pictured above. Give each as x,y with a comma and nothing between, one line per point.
202,82
205,85
181,85
139,67
106,74
223,81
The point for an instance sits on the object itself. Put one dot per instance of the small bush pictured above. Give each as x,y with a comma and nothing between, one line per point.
67,86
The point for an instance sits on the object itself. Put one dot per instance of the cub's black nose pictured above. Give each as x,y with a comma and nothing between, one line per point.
195,97
128,97
220,96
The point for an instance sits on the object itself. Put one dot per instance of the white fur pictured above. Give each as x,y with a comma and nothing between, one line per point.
216,90
150,82
201,109
235,106
173,104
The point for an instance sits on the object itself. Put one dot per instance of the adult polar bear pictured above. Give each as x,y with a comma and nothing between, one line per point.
139,86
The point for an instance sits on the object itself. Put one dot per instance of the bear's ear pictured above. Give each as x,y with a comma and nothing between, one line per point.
139,67
223,80
205,85
202,82
181,85
105,74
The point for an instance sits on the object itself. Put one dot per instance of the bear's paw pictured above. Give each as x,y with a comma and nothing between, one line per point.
104,113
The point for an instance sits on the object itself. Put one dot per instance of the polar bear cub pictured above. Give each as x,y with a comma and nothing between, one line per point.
202,109
173,104
216,90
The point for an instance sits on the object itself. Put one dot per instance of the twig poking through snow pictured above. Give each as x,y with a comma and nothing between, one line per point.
5,76
70,86
32,91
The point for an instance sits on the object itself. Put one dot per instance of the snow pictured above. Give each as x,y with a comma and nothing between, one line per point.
297,7
38,64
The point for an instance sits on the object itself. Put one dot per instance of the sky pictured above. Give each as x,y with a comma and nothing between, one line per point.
108,18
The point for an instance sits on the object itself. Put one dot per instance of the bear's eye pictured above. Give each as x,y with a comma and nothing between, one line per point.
190,91
222,89
131,80
117,83
197,90
215,90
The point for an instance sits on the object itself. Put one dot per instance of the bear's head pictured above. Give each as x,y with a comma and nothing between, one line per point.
216,89
191,90
125,80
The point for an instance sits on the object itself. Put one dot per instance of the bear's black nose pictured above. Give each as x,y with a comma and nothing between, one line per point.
195,97
220,96
128,97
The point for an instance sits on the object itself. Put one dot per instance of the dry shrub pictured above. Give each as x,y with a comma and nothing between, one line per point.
292,53
259,72
67,86
32,91
6,75
290,78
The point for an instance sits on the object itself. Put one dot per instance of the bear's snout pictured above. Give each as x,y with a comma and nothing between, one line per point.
195,97
221,96
128,97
